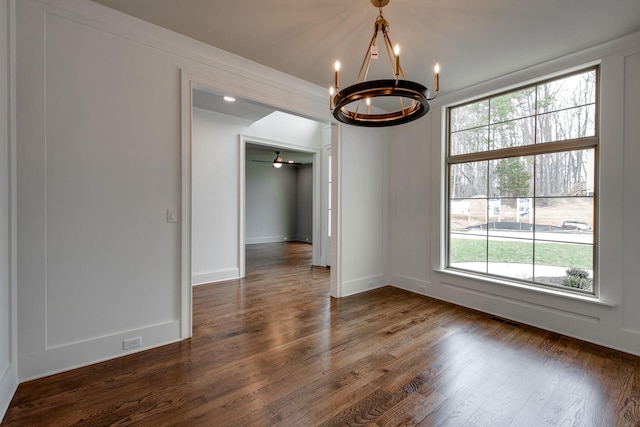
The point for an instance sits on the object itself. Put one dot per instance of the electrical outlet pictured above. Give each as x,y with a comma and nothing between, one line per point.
131,343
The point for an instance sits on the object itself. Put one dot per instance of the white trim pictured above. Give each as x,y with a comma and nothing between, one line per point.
275,239
241,204
9,375
324,224
232,73
336,209
82,353
204,277
363,284
591,299
186,309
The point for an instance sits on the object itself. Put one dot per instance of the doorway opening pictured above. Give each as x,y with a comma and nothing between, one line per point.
214,217
280,201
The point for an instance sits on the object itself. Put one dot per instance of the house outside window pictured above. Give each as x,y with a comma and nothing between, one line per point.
521,187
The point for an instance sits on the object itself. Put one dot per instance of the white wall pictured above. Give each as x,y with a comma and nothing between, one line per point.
278,203
215,206
410,211
8,331
99,163
630,190
416,186
295,131
304,205
362,215
271,203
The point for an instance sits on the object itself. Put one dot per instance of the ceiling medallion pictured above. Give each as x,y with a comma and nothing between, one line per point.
346,105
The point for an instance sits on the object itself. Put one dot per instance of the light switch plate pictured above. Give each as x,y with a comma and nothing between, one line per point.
172,215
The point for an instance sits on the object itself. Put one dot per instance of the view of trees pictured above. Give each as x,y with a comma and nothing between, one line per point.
554,111
513,178
511,159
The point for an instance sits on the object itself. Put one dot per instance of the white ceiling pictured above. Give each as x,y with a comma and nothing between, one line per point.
245,109
472,40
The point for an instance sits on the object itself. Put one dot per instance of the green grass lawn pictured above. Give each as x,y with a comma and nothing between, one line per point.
555,254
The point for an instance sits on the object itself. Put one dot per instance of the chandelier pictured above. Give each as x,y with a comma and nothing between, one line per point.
346,104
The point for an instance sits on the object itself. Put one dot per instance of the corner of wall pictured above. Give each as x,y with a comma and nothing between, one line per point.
8,372
8,387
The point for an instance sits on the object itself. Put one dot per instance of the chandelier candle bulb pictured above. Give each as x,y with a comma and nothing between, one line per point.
368,105
437,71
337,67
396,51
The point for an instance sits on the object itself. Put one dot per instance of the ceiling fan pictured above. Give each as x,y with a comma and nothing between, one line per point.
278,161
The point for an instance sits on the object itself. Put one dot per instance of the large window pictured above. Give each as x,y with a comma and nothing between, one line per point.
521,195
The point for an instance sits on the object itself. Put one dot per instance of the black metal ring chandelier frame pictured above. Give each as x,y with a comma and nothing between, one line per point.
416,92
403,89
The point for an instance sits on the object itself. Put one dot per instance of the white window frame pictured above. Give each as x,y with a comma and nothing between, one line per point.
590,142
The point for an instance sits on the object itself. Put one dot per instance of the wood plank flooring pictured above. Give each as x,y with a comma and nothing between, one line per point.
274,349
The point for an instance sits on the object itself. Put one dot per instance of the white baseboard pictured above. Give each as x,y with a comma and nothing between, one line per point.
268,239
204,277
275,239
63,358
410,284
363,284
8,387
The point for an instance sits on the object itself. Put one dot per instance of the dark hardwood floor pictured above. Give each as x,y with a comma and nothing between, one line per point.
275,350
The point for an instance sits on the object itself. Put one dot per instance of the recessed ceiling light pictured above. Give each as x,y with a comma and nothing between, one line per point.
229,98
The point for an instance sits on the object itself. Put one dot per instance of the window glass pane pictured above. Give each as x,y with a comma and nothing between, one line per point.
514,133
511,258
557,264
469,215
508,218
569,173
511,177
513,105
565,219
571,91
468,252
578,122
469,141
470,116
468,180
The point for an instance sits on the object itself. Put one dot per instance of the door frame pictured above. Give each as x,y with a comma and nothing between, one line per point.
189,80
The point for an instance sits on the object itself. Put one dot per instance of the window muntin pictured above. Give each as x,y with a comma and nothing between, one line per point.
521,183
557,110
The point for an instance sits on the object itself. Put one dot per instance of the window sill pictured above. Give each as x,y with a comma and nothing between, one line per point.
530,288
